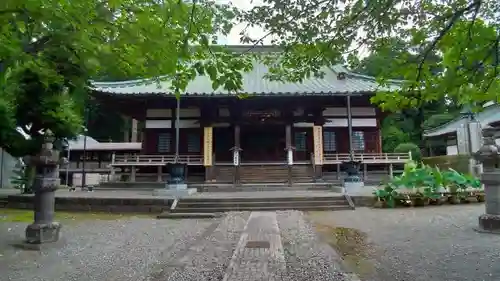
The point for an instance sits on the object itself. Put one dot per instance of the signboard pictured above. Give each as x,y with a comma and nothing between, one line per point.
207,146
236,157
318,145
290,157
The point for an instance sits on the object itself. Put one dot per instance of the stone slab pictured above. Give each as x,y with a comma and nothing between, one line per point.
176,186
355,187
168,215
264,259
174,192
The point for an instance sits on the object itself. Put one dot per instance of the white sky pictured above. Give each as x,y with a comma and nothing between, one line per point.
255,32
234,37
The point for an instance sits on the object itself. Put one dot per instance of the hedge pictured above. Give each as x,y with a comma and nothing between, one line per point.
460,163
409,147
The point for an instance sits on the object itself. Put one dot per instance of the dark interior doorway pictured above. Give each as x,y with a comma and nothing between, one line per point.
263,143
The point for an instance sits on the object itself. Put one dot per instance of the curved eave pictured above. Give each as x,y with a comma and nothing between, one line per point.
445,129
491,115
226,95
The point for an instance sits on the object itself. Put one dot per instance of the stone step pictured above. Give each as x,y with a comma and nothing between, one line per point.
257,198
266,187
260,208
259,204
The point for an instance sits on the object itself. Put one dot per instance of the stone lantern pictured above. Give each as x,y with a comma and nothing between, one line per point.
489,156
44,229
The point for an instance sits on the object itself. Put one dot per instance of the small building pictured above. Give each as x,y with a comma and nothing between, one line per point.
277,129
96,157
463,135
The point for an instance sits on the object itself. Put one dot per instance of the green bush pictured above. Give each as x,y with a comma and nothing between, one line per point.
409,147
427,182
459,163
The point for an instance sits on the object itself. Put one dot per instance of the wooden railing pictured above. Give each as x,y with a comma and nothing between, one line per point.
367,157
155,160
88,165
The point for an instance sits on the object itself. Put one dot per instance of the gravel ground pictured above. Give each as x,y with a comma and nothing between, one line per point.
207,258
307,258
143,249
122,250
431,243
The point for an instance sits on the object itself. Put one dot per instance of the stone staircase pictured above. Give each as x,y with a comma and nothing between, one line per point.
304,203
265,173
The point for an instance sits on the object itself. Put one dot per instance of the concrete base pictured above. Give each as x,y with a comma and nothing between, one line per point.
42,233
176,186
489,224
173,192
354,187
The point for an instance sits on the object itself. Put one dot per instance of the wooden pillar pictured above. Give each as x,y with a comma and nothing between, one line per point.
159,174
132,174
133,133
111,168
338,171
208,153
318,150
126,133
391,172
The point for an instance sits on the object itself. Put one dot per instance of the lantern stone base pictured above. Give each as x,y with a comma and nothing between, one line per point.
489,224
174,190
39,233
354,186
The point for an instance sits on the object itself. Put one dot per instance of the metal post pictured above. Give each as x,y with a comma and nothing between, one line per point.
67,167
177,124
352,182
84,172
1,167
349,127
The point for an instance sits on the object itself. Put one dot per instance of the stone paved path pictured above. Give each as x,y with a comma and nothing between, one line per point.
259,253
242,246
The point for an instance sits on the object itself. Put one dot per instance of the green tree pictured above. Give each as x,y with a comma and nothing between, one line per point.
408,124
51,48
314,33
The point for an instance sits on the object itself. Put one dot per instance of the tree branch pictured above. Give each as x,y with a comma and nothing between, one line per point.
476,4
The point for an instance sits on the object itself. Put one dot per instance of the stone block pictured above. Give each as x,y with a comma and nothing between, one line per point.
489,223
171,192
39,233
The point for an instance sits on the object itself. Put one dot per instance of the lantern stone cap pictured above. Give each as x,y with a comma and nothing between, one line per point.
48,136
489,151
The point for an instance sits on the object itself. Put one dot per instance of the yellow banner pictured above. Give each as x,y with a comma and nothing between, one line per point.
207,146
318,144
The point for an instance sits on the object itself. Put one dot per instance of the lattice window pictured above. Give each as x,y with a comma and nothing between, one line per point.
329,142
300,141
193,142
358,141
164,142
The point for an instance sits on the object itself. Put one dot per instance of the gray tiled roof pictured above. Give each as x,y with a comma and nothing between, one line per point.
254,83
490,114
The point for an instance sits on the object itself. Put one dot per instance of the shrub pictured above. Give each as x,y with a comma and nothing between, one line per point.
409,147
459,163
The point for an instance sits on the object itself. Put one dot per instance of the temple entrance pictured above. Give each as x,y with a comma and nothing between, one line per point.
263,143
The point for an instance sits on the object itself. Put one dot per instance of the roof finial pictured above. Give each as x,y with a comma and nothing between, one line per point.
341,75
